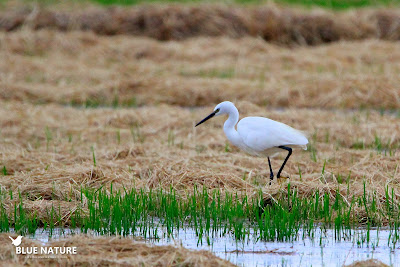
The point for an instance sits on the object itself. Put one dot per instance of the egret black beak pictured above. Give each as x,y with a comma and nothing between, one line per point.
208,117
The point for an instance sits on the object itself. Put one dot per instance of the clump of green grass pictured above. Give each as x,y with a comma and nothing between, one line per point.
359,144
93,156
200,149
103,102
137,135
118,103
4,171
171,137
339,4
227,148
332,4
211,213
311,147
49,137
386,147
118,136
212,73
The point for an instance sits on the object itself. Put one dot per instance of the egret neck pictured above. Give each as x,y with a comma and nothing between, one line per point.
229,128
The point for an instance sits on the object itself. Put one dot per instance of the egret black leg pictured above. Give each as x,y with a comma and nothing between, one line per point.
286,159
271,174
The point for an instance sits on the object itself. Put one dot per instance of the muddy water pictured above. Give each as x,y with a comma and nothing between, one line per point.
321,250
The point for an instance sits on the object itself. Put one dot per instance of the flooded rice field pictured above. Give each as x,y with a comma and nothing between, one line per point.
320,249
98,136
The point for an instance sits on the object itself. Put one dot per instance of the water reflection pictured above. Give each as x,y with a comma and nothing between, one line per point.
322,250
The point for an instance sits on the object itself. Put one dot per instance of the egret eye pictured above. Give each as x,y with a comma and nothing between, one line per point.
216,111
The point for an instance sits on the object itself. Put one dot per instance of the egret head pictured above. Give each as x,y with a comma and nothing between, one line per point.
222,108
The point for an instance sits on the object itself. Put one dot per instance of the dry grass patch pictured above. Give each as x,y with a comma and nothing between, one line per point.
83,69
111,251
177,22
368,263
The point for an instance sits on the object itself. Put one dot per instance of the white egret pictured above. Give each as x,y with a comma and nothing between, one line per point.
259,136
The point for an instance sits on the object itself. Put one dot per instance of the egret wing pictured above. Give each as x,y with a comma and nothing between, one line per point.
260,134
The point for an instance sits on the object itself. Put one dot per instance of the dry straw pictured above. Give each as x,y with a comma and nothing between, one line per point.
176,22
79,109
110,251
367,263
79,68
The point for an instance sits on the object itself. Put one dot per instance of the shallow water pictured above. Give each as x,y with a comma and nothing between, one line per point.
323,250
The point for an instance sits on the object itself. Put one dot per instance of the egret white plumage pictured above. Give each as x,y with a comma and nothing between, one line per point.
259,136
